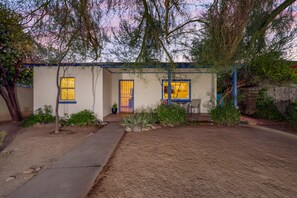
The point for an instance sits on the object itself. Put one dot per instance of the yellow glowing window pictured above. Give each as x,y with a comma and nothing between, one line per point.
67,88
180,90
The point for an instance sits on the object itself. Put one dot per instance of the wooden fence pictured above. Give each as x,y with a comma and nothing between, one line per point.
283,96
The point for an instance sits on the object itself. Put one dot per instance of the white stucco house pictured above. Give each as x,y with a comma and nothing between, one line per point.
96,86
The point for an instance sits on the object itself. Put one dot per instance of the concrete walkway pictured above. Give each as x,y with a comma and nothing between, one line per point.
75,173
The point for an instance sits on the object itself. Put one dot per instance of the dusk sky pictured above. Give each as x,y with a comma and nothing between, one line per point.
193,8
111,22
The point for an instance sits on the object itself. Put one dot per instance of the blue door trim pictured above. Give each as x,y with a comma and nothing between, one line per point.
119,93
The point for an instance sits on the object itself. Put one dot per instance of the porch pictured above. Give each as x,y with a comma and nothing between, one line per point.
131,89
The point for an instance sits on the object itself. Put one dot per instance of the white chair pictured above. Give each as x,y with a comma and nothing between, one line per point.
194,107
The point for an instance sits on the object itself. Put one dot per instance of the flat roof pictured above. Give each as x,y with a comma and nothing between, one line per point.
119,65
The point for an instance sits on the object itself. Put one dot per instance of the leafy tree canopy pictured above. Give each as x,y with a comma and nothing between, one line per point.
16,47
250,34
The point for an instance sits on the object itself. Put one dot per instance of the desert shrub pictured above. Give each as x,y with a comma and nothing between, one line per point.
2,136
171,114
225,115
41,115
164,114
292,115
141,118
265,107
82,118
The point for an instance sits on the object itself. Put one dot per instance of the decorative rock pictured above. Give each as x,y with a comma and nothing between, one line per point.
104,123
128,129
137,129
158,126
145,129
38,169
9,178
30,171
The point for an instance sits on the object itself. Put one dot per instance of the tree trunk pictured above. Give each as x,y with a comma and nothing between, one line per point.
229,91
10,97
224,96
57,128
13,95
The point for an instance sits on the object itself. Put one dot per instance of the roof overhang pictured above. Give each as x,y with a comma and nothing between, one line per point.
129,67
157,70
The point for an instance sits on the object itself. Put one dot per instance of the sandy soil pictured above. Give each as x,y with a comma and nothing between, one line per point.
35,147
204,161
11,129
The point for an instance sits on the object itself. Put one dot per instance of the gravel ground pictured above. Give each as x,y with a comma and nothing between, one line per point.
12,130
34,148
202,161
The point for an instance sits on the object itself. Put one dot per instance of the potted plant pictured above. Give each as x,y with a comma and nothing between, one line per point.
114,108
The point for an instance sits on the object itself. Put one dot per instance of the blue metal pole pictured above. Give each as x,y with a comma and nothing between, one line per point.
234,91
169,87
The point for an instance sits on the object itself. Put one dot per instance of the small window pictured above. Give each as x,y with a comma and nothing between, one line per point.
180,90
67,91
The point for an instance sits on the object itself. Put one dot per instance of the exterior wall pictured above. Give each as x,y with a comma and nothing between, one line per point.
25,97
148,88
107,89
147,91
97,89
88,89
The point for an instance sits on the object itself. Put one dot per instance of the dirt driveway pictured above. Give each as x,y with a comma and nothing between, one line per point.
204,161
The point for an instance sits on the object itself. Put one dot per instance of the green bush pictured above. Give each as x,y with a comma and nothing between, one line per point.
168,115
2,136
42,116
292,115
265,107
171,114
141,118
82,118
226,115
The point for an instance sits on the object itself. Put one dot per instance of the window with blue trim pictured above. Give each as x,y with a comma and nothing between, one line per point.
180,90
67,89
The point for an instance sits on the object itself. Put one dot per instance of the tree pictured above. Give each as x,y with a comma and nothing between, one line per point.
250,34
73,27
16,47
152,30
237,31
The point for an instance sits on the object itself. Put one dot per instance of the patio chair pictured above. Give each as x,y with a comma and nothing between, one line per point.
194,107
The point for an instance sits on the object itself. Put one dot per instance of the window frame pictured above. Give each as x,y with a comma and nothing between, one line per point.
177,99
61,88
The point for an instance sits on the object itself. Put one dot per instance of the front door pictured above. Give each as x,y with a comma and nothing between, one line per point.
126,100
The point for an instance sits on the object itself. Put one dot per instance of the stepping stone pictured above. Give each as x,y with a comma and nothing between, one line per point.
9,178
